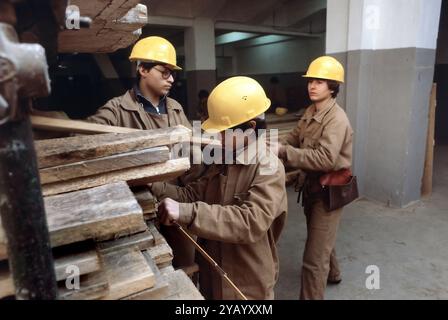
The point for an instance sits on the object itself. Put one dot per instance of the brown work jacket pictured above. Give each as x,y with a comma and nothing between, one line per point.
126,111
321,142
238,212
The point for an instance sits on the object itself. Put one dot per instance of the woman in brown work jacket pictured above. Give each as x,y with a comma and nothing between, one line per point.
321,143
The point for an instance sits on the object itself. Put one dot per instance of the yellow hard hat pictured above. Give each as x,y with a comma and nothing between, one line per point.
280,111
326,68
235,101
155,49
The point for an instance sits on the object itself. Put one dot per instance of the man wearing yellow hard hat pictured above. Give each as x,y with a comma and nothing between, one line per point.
321,146
147,106
237,210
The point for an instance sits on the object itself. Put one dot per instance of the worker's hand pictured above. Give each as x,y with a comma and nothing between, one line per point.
168,211
281,151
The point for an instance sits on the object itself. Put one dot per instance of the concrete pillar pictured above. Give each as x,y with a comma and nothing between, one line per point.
200,61
388,49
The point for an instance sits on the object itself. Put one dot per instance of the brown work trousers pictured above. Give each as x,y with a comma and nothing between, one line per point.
319,257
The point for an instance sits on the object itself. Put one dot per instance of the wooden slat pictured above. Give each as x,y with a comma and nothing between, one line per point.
75,126
426,188
105,164
127,272
158,238
146,200
62,151
135,176
181,287
142,240
99,213
92,286
162,254
87,262
160,289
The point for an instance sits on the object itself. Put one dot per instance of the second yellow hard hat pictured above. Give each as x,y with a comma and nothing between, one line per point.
326,68
235,101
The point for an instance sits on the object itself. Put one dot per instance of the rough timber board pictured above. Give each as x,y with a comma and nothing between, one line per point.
92,286
53,152
160,289
142,240
100,213
105,164
135,176
115,25
127,272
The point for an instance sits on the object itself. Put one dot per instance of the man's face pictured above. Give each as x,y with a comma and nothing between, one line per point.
318,90
158,79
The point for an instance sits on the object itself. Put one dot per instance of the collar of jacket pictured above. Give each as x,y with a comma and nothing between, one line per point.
130,103
319,117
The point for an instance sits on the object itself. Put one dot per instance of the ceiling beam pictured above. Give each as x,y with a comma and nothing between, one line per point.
261,29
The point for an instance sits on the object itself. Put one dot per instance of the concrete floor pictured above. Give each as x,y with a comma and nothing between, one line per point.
410,246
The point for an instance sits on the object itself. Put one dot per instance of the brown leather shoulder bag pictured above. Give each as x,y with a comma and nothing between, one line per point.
339,188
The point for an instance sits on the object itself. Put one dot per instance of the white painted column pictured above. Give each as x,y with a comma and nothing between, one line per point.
388,49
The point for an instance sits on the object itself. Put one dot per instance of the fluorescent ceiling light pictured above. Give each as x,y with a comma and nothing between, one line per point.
234,37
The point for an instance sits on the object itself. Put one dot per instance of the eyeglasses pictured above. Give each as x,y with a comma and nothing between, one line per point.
167,73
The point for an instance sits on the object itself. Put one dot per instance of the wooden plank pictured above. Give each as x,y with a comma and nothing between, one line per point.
181,287
92,286
54,152
158,238
105,164
162,254
99,213
74,126
160,289
146,200
87,262
135,176
142,240
426,189
127,273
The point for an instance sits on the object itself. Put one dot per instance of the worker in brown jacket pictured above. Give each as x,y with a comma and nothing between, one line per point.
237,210
147,106
321,143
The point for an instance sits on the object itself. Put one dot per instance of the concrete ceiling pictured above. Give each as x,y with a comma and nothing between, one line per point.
272,13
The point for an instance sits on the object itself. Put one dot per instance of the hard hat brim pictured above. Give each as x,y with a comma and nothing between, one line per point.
172,66
322,78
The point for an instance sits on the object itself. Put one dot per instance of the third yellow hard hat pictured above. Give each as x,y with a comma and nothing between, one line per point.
326,68
235,101
155,49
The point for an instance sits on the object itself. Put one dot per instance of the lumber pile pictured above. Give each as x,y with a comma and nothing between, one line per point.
101,216
115,24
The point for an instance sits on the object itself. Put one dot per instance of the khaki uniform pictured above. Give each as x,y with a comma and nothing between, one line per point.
320,143
126,111
238,213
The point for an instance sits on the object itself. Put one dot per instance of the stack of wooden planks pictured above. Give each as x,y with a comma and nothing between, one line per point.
105,244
